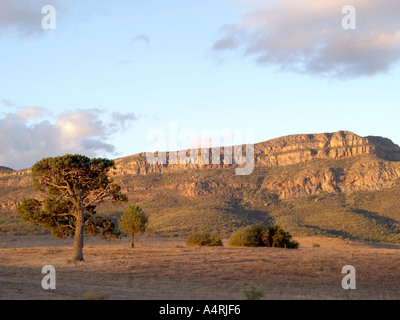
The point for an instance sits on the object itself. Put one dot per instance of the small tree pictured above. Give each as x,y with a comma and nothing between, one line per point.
133,220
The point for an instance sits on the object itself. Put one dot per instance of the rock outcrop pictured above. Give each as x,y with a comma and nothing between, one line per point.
282,151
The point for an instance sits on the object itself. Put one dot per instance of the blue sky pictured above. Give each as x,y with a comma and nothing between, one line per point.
127,67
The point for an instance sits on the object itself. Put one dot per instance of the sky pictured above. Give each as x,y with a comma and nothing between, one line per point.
109,77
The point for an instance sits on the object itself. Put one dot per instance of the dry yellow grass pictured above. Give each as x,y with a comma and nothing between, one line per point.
165,268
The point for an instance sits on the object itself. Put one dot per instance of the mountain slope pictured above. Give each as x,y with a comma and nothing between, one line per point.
5,169
333,184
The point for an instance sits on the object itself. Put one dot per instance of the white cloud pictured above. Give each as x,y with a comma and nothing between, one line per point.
24,16
307,36
33,112
26,137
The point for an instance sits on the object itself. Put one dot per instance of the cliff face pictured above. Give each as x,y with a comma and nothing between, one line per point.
289,167
374,166
302,148
283,151
360,177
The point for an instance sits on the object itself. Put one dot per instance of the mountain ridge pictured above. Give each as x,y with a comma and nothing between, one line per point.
303,182
281,152
285,150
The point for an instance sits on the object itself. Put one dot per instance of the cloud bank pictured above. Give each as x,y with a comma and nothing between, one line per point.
29,134
307,36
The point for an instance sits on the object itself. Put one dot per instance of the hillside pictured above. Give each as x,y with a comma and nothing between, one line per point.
332,184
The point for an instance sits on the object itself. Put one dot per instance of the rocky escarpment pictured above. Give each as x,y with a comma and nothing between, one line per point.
360,177
14,185
282,151
371,165
374,165
288,167
343,144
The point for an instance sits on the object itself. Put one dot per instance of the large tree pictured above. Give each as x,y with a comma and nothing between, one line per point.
74,185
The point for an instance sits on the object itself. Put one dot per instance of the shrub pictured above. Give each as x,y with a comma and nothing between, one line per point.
261,236
239,239
252,292
202,238
251,236
277,237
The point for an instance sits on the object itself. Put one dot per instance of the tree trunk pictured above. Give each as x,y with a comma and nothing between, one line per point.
132,240
78,239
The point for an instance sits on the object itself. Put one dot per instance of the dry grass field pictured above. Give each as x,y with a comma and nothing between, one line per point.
168,269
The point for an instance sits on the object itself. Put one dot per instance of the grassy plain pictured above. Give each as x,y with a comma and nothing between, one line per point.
168,269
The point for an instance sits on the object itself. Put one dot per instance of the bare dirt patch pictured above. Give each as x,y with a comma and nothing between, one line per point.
168,269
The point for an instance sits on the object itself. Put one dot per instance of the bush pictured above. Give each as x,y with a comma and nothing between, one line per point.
251,236
252,292
277,237
202,238
261,236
